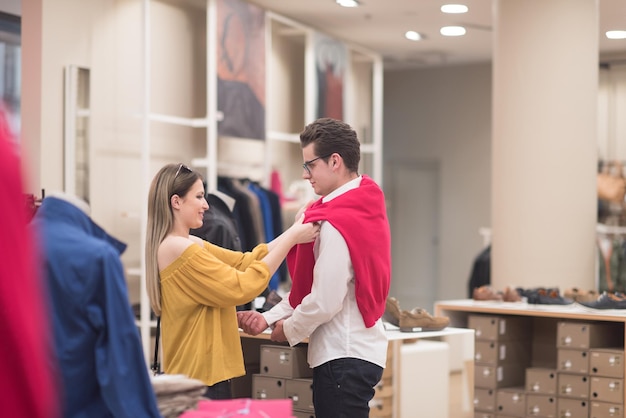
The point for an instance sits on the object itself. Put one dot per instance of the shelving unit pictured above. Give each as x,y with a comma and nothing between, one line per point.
545,320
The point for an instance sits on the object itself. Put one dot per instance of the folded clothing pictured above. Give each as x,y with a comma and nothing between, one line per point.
177,393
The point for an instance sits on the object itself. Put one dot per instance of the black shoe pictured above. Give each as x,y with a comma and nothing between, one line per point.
607,301
546,296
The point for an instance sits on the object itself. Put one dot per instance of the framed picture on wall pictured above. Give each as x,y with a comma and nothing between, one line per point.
241,69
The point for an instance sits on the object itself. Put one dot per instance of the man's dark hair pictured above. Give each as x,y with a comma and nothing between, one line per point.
333,136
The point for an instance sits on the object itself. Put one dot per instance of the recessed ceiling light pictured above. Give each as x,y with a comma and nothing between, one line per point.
616,34
348,3
454,8
411,35
452,31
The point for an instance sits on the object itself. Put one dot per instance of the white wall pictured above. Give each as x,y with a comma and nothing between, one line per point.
443,115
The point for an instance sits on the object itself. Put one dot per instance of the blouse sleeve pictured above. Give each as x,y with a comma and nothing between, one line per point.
215,276
237,259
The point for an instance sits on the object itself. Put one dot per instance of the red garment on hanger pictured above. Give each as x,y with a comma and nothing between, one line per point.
27,381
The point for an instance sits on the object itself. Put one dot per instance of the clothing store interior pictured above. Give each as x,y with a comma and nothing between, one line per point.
500,150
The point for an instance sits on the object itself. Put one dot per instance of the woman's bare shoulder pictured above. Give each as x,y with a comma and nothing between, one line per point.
171,248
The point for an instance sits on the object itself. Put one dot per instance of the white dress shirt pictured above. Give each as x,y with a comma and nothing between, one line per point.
329,315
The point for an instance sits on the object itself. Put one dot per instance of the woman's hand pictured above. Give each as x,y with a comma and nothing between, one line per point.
251,322
304,232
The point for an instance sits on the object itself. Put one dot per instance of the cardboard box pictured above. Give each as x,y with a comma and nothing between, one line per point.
289,362
572,408
606,410
585,335
268,387
573,386
500,328
503,352
606,362
541,381
572,361
543,406
300,391
511,402
607,389
494,377
484,400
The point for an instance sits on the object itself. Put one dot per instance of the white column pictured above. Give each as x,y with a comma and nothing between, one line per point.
545,87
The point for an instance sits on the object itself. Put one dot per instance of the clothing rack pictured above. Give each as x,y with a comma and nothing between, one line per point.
32,202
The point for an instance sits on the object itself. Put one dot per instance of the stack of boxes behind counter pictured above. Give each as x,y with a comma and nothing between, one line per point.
502,350
285,373
547,368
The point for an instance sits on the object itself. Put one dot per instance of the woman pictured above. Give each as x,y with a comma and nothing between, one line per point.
195,286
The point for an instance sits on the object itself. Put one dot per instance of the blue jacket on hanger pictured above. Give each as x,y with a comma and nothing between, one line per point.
99,353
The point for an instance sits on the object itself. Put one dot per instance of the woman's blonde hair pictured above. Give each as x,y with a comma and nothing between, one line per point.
172,179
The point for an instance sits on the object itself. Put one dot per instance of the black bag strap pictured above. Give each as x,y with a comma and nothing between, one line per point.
156,366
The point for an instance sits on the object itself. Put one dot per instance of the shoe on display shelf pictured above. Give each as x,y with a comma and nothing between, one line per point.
580,295
607,301
414,320
544,296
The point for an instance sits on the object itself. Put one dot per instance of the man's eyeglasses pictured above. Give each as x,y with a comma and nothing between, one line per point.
308,163
182,167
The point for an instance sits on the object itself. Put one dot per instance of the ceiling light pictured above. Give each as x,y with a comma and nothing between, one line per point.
454,8
411,35
616,34
348,3
452,31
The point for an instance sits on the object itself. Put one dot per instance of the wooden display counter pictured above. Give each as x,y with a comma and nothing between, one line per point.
556,331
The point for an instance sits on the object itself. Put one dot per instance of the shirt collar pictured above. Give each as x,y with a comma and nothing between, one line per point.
352,184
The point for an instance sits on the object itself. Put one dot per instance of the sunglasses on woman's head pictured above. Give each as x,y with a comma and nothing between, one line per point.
182,167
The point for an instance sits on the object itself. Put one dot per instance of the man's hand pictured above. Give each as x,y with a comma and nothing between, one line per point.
251,322
278,334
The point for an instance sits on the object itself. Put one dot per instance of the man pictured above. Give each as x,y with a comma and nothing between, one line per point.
340,282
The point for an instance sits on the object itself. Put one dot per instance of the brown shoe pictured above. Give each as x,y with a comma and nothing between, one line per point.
580,295
486,293
511,295
392,311
420,320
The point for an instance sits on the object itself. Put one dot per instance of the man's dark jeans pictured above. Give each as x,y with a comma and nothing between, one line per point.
342,388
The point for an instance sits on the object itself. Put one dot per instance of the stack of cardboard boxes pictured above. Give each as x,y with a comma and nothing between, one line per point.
502,353
285,373
537,367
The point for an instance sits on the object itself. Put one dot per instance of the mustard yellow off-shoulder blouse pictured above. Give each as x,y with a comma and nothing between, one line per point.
199,294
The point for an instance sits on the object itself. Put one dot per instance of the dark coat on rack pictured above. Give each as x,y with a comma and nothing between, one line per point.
481,271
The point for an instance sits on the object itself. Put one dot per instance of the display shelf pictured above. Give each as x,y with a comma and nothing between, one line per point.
573,311
545,318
